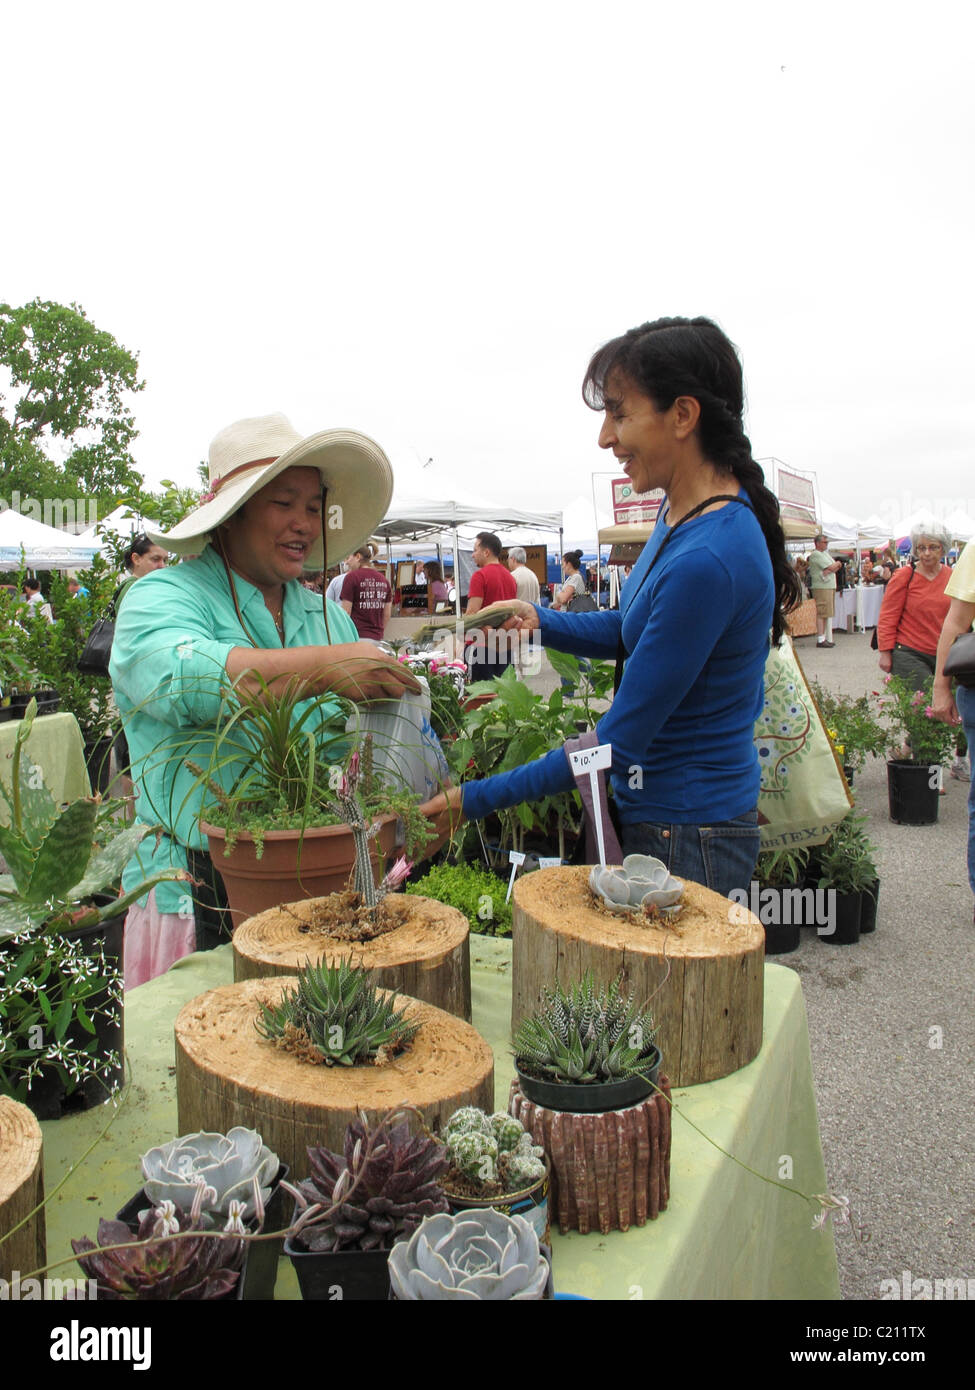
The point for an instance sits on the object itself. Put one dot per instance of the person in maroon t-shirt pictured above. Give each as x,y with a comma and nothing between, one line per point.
491,582
367,596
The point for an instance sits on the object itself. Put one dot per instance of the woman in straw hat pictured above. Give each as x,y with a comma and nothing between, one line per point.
276,504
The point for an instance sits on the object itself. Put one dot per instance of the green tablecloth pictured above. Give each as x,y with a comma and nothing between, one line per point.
725,1233
56,746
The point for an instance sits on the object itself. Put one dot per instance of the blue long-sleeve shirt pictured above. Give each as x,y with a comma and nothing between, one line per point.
682,723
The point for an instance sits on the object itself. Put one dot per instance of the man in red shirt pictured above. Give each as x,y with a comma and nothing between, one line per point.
491,582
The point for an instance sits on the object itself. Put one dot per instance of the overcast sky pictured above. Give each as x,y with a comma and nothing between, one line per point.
419,220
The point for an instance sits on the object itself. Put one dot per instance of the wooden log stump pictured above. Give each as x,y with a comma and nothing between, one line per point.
227,1074
21,1189
610,1171
427,956
705,974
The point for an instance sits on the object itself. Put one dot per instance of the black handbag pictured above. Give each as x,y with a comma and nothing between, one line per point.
94,659
960,664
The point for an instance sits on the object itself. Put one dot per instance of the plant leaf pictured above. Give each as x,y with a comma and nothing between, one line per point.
64,852
106,866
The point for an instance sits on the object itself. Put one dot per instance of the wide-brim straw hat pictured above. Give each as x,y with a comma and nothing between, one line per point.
249,454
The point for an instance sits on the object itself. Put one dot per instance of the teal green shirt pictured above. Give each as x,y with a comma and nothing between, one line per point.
168,667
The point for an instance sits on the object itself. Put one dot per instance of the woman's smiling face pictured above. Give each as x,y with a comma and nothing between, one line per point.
269,538
640,436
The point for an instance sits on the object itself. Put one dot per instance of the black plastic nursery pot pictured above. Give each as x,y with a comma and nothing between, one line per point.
48,702
780,938
589,1099
259,1273
786,914
911,797
98,760
868,907
48,1096
530,1203
846,920
325,1276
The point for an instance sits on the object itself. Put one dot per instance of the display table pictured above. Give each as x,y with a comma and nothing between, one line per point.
868,601
56,746
725,1234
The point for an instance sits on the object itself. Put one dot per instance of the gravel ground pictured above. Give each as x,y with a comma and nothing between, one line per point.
891,1031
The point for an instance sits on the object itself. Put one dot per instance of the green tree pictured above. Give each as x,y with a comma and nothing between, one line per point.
67,387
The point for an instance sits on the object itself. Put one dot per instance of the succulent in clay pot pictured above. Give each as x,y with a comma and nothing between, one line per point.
475,1255
641,883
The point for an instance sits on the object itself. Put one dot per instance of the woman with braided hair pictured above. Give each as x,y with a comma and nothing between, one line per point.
694,618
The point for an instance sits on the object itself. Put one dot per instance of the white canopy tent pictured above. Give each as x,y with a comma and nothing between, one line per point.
24,540
960,526
121,522
419,519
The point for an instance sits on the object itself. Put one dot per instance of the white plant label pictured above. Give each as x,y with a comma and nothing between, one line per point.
547,863
515,857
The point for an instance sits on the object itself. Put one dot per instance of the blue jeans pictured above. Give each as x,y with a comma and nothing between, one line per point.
721,856
965,700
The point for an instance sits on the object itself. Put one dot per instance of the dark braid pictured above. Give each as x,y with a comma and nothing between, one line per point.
692,357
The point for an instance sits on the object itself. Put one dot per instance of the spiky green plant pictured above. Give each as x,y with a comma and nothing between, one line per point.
376,1192
338,1013
587,1035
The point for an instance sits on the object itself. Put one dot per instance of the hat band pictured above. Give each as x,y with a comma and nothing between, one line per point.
217,483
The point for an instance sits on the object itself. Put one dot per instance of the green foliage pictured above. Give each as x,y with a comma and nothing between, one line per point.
585,1036
852,726
50,651
846,861
517,727
376,1192
68,382
337,1013
475,892
930,740
782,868
446,715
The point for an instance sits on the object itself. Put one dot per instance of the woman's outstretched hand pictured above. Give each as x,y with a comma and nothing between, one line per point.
523,619
447,813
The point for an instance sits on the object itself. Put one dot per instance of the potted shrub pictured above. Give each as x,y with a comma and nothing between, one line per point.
355,1205
914,783
201,1266
482,1255
239,1176
289,799
848,869
494,1163
781,874
852,728
587,1050
61,941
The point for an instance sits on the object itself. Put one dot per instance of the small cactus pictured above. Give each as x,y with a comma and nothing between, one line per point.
492,1150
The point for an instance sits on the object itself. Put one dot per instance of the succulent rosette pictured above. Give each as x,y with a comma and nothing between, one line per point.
197,1267
227,1165
476,1255
642,882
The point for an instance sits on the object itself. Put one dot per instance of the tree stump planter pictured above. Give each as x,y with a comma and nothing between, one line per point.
21,1190
426,957
227,1074
708,1008
293,865
610,1171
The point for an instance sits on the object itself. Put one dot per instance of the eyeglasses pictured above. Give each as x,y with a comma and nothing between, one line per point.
933,549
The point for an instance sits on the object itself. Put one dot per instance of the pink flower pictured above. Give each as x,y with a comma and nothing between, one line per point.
917,697
887,680
350,778
929,712
398,874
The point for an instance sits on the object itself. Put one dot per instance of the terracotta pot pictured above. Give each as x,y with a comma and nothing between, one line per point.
325,864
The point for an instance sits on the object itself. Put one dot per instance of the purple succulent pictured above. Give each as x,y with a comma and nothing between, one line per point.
204,1266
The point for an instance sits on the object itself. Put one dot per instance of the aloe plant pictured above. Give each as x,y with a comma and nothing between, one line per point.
60,858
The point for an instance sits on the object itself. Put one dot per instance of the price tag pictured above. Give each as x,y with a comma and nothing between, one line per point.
588,762
545,863
592,759
514,857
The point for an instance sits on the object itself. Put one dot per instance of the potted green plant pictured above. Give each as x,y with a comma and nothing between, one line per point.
482,1255
852,728
586,1050
13,668
61,941
291,801
239,1175
781,875
354,1206
848,870
914,783
494,1163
